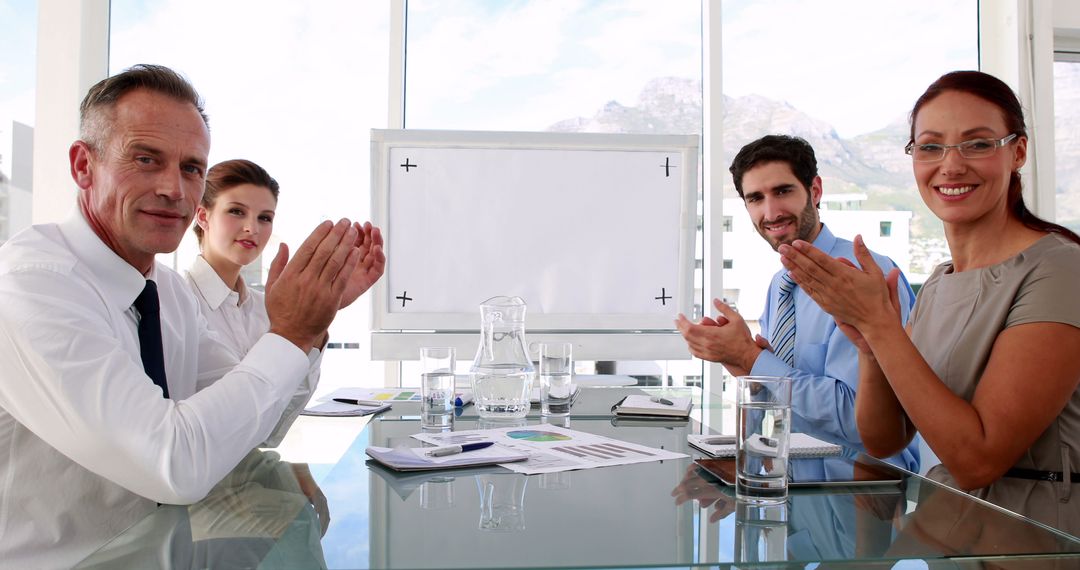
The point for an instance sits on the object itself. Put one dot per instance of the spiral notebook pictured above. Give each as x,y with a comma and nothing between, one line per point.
800,445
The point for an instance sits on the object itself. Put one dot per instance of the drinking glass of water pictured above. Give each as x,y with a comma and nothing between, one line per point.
762,430
556,378
437,385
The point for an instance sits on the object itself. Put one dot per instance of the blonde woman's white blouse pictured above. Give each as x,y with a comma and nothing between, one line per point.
240,320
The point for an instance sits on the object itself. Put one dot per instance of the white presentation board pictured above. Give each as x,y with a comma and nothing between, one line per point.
594,231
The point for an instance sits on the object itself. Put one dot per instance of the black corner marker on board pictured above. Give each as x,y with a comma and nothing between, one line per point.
667,166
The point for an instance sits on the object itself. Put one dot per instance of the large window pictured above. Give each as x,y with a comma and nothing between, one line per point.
1067,141
293,86
607,67
843,75
18,27
559,66
296,88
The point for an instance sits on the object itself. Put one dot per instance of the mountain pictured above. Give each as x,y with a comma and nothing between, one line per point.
665,106
873,163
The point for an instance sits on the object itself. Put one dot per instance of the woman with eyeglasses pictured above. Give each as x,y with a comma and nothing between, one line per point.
988,367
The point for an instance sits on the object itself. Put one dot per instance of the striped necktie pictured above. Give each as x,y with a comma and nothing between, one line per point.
153,357
783,337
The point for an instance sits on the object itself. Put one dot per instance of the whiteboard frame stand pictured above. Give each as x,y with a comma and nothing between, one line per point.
399,336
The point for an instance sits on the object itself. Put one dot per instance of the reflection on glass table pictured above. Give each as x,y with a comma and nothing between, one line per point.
668,513
266,513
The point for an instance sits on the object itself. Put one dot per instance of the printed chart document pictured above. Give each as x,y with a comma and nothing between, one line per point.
551,449
801,445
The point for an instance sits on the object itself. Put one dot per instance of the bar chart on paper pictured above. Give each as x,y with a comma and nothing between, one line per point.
552,449
601,451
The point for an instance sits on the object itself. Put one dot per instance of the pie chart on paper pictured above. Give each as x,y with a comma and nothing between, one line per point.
535,435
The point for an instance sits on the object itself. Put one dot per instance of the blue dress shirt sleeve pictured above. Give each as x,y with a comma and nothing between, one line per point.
826,370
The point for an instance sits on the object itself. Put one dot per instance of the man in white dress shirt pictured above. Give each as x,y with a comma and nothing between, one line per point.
90,444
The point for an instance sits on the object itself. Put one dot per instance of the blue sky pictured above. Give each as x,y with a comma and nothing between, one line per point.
545,61
531,64
18,27
298,86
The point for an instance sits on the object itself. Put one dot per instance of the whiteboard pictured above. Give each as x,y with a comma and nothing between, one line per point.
594,231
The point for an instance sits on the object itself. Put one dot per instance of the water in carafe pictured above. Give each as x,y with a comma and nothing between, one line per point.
502,373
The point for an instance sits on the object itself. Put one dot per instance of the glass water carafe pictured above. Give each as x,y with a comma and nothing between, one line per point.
502,373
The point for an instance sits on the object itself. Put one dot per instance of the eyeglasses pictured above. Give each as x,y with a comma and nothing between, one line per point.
974,148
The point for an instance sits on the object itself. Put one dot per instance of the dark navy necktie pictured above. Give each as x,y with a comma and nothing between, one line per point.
153,357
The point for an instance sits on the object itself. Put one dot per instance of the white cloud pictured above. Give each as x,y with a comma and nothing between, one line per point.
294,86
461,49
852,63
527,67
857,65
18,27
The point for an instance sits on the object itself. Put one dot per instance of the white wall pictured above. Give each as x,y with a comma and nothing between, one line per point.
1066,14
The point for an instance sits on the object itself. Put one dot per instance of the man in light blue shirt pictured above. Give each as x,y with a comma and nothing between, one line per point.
776,176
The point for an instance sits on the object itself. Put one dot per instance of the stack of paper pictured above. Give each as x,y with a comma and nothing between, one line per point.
332,408
643,405
417,458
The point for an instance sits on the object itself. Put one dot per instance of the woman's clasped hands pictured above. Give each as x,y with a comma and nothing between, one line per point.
860,298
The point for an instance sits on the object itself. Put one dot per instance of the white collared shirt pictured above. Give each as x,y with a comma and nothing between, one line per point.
87,440
240,323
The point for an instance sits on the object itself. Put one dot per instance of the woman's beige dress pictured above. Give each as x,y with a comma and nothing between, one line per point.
955,322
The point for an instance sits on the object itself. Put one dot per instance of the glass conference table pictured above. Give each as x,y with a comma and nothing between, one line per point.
271,514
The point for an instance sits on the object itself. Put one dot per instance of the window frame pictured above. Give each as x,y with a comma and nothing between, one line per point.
73,55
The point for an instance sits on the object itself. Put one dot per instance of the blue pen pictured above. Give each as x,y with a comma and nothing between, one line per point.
455,449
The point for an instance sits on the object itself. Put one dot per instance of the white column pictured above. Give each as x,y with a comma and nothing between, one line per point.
713,172
72,55
396,83
1016,44
1067,15
395,120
